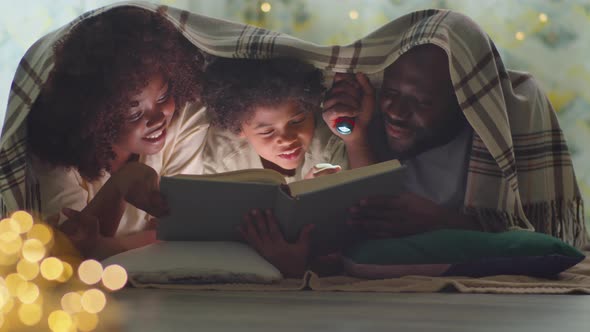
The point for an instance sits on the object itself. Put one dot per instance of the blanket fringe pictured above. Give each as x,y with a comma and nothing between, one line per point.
559,218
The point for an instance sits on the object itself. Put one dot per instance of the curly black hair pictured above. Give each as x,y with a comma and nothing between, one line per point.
233,88
99,65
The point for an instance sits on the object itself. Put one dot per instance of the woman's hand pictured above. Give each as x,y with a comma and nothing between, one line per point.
139,185
261,231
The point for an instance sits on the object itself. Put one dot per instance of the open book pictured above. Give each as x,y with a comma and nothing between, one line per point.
211,207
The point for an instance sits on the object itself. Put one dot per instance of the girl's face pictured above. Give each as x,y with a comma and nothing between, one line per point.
280,134
146,120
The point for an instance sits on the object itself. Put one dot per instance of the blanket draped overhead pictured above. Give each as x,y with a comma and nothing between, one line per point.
520,172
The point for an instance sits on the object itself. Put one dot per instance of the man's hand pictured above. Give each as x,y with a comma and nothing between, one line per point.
406,214
261,231
351,95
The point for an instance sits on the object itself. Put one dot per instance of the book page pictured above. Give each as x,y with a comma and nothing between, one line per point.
333,180
254,175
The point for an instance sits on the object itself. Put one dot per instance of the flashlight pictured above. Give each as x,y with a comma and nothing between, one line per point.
344,125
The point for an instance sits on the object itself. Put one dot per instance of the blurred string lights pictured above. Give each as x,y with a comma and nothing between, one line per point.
44,283
353,14
520,35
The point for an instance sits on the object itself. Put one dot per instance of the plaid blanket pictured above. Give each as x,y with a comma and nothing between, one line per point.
520,172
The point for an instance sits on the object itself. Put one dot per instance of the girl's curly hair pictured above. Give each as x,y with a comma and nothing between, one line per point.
99,65
233,88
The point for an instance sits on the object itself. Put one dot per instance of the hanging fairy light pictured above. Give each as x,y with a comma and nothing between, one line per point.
265,7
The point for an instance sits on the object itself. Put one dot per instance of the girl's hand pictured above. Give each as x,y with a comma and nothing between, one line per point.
321,170
261,231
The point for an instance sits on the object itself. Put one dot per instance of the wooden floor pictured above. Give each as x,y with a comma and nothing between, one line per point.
166,310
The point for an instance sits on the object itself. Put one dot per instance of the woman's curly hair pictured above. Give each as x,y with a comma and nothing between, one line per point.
233,88
99,65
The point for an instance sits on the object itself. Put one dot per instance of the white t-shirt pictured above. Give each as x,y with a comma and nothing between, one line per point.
440,174
182,153
225,152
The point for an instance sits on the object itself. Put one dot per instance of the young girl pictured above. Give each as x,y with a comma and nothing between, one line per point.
267,114
264,114
115,114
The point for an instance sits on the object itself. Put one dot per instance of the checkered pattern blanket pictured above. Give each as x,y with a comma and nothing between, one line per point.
520,171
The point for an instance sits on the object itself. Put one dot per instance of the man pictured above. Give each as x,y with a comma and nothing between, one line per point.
482,145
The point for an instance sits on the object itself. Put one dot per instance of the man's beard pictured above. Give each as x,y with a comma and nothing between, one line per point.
424,139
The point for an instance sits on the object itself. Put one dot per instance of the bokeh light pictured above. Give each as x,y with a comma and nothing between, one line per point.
519,35
13,281
33,250
24,220
265,7
30,313
27,292
353,14
37,265
71,302
93,301
10,243
59,321
67,273
51,268
28,270
9,225
90,271
86,321
543,18
114,277
41,232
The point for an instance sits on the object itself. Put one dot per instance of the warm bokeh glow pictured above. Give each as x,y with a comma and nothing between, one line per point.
9,225
67,273
30,313
33,259
51,268
265,7
71,302
59,321
24,220
93,301
114,277
4,294
41,232
519,35
8,306
13,281
353,14
90,272
10,243
27,270
33,250
27,292
543,18
86,321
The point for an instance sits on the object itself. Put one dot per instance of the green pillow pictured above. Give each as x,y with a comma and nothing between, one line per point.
462,253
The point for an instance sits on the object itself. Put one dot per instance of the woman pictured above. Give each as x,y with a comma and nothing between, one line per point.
111,118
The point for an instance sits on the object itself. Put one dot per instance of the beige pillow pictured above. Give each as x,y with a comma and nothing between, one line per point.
179,262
